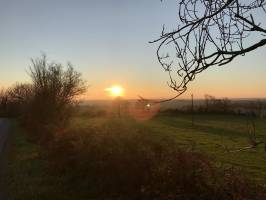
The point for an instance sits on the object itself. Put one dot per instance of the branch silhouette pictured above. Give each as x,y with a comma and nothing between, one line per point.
209,33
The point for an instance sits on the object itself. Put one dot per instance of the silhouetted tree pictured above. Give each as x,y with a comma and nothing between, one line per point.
54,91
259,108
20,97
21,93
209,33
213,104
46,104
3,102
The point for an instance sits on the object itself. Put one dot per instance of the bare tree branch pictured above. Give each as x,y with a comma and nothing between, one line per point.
209,33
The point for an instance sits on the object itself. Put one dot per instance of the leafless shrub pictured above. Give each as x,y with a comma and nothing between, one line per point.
54,90
3,102
45,104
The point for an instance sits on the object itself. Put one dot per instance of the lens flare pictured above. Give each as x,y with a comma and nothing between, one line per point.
143,110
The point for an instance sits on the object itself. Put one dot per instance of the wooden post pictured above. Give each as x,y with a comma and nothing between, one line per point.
119,111
192,110
119,107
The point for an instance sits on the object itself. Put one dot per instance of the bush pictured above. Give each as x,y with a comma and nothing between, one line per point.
3,103
54,91
134,166
45,105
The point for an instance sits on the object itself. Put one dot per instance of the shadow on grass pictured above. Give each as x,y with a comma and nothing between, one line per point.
231,134
208,129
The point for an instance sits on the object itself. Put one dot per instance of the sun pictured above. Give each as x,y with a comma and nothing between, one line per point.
115,91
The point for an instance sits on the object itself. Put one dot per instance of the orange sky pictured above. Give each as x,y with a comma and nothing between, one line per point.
109,44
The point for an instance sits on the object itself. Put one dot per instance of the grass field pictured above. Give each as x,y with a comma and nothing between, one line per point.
209,134
29,178
212,131
26,173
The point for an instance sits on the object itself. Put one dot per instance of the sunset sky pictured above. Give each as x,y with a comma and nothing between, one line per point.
107,41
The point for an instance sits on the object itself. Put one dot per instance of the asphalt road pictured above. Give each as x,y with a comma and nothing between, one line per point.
4,129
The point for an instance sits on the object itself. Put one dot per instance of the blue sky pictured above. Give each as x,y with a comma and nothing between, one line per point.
107,41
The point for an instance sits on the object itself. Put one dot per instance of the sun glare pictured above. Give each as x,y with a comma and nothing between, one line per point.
115,91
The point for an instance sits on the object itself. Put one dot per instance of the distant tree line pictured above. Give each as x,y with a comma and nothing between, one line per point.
211,104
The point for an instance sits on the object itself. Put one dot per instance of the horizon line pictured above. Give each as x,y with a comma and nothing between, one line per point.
233,98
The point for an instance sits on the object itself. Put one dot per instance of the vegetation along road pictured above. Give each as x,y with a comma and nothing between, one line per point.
4,129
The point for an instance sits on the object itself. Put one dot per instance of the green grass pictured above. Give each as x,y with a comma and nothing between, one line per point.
209,134
28,176
210,131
